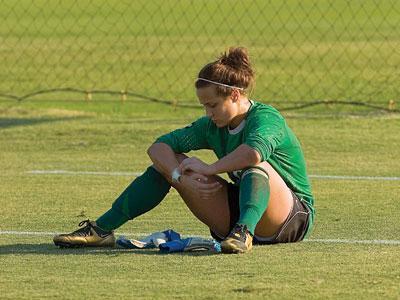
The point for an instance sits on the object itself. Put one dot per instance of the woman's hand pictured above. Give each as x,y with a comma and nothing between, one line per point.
199,185
195,165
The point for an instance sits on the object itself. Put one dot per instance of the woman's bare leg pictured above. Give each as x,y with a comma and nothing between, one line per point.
279,205
214,212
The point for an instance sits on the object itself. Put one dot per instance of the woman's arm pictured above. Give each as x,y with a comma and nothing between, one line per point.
242,157
163,158
165,161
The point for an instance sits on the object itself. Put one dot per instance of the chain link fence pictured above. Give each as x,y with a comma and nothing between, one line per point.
304,51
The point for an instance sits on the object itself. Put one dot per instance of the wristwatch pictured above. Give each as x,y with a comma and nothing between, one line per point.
176,175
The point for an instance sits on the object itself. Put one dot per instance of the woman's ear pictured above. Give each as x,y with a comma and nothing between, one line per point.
235,95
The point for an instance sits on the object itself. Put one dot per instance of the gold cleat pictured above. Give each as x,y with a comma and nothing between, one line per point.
90,235
239,240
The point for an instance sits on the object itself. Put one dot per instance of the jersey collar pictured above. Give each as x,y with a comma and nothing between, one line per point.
241,125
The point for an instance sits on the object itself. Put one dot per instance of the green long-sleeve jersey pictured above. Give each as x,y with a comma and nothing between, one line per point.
265,130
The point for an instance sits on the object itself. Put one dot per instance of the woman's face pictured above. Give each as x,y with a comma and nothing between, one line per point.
220,109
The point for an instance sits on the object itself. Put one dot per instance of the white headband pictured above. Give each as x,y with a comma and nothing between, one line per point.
221,84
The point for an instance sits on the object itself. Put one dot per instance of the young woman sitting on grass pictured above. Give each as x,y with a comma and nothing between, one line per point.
269,199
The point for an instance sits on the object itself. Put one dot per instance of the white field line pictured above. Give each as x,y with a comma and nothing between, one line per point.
354,177
347,241
103,173
64,172
138,234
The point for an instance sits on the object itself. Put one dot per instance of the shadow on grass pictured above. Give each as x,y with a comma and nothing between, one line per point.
50,249
14,122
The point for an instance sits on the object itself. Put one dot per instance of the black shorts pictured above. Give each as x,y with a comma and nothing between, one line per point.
293,229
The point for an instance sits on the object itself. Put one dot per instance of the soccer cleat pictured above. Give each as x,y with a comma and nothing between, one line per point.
239,240
90,235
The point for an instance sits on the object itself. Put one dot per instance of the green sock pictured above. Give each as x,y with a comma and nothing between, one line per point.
142,195
253,197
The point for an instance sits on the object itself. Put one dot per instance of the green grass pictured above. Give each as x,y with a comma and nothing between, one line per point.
302,50
110,136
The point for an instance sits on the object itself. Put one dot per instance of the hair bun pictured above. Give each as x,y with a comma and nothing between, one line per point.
232,69
236,58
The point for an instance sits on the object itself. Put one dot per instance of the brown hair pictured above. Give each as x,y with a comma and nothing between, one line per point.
232,68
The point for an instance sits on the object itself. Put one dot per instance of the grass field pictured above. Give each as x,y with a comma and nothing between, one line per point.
302,50
113,137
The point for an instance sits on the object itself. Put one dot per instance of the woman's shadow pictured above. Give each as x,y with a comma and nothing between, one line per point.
50,249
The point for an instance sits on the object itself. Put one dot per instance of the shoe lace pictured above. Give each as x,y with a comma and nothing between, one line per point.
84,222
85,230
240,232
